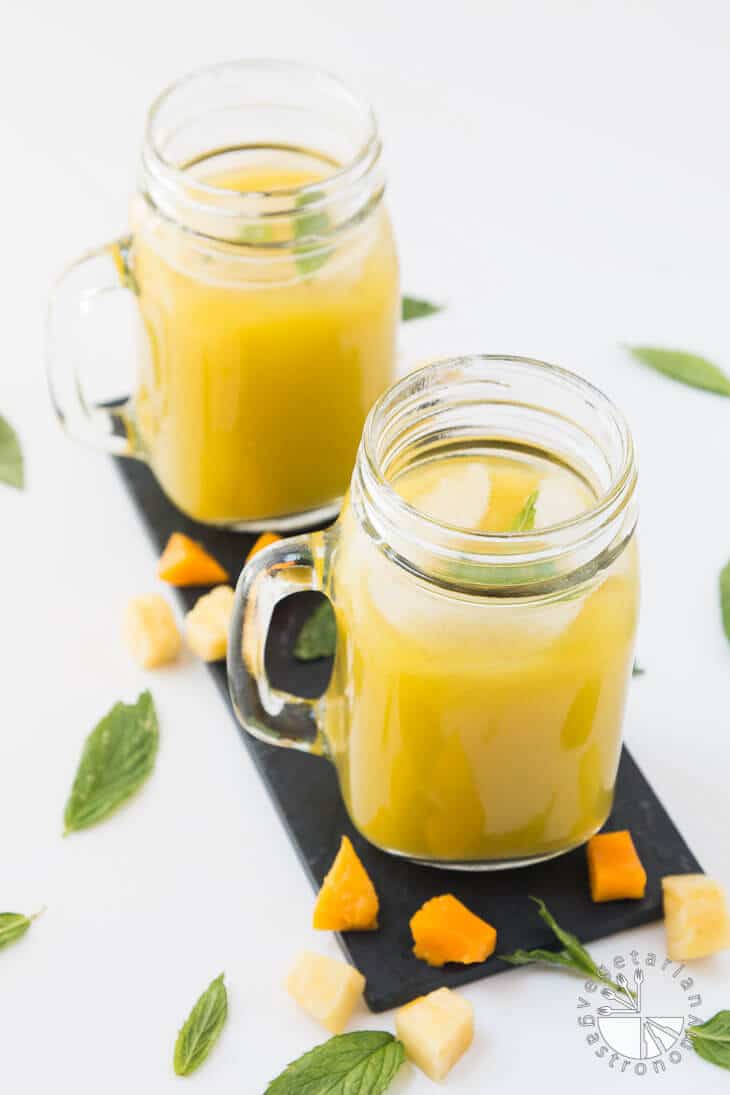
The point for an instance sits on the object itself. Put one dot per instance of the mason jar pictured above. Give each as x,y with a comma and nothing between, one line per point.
264,272
475,709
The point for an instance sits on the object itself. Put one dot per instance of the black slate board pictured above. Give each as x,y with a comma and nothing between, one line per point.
305,792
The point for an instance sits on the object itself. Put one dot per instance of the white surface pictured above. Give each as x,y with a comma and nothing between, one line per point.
560,175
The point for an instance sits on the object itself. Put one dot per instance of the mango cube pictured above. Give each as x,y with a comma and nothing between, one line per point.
207,624
696,916
614,868
326,988
150,631
436,1031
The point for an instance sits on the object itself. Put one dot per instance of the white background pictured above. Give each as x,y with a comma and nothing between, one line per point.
560,175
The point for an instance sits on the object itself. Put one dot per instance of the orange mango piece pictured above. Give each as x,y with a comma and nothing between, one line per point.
184,562
263,541
614,868
444,930
347,901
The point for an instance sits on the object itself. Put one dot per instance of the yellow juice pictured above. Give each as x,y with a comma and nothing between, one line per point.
259,369
473,728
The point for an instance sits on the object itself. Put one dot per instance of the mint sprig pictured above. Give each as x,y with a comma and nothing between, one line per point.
318,635
690,369
711,1040
361,1063
11,456
202,1028
118,756
414,308
573,956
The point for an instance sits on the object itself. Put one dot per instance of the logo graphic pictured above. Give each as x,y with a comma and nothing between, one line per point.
639,1026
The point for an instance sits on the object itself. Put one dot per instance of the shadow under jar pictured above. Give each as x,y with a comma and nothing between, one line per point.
484,578
264,268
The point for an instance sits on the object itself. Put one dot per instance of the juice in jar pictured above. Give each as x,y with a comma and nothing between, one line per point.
262,359
474,728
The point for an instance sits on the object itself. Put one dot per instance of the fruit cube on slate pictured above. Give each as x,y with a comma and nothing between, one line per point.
150,631
614,868
208,622
444,930
696,916
347,900
328,989
436,1031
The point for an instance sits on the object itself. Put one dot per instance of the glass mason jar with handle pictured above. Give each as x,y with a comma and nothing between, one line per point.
264,271
484,579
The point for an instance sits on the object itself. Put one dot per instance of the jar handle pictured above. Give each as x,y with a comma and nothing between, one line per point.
269,714
75,294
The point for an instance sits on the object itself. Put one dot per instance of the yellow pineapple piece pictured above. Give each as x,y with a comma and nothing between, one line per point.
150,631
696,916
208,622
436,1031
326,988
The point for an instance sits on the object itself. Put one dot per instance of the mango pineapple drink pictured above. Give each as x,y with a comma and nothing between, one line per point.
483,575
264,282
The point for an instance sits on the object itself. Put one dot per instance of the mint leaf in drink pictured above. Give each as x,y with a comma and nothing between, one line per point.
318,634
413,308
689,369
202,1028
573,956
118,756
13,926
11,456
725,598
711,1040
309,228
525,519
361,1063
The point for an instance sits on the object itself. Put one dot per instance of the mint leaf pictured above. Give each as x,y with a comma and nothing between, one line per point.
574,956
202,1028
689,369
637,670
13,926
307,228
525,519
711,1040
118,756
11,456
725,598
318,635
413,308
361,1063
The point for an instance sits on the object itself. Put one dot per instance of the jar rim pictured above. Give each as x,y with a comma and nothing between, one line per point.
168,179
410,534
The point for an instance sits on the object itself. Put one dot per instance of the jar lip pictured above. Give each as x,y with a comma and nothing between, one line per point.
238,202
606,504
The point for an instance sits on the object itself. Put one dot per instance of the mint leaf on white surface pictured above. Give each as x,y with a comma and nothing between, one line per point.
361,1063
413,308
11,456
202,1028
117,758
689,369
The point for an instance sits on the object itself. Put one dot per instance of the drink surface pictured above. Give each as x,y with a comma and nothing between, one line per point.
473,728
257,373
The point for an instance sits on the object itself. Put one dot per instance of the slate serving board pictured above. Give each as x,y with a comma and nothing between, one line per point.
305,792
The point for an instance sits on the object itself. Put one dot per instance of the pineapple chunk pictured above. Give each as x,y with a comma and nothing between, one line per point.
207,624
150,631
696,916
326,988
436,1031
